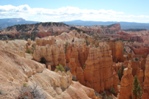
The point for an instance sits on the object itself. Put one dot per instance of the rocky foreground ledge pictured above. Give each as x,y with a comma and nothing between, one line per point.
24,78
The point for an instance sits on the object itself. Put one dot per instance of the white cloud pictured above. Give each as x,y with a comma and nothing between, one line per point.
66,14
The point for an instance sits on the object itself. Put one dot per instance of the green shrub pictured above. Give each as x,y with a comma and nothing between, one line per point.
29,51
59,68
87,42
25,85
137,90
0,92
66,45
112,90
105,95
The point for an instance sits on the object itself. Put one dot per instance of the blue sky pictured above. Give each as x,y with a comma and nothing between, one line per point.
65,10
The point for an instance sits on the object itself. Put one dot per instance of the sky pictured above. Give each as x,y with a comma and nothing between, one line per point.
67,10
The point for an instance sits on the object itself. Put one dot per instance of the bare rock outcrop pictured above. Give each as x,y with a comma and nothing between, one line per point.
21,77
15,46
76,55
117,51
51,54
32,31
97,29
98,63
146,81
86,62
126,84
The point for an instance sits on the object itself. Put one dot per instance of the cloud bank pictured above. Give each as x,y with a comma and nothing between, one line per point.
66,14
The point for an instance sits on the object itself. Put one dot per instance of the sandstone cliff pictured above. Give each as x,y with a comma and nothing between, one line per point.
15,46
117,51
146,81
86,62
22,77
126,84
99,62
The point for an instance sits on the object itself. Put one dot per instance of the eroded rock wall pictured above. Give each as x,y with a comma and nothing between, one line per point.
146,81
18,74
126,84
92,66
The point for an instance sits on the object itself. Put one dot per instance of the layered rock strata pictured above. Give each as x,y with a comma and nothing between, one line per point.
92,66
98,72
22,77
146,81
126,84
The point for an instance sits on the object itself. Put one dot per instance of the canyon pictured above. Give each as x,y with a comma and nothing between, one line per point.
59,61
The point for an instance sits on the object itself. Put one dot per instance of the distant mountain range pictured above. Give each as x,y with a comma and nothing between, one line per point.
124,25
13,21
43,29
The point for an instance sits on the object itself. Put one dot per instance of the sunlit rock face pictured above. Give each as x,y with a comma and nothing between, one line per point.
117,51
126,84
98,68
146,81
21,77
93,60
97,29
92,66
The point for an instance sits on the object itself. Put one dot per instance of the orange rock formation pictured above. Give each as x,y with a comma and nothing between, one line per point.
126,84
88,63
146,81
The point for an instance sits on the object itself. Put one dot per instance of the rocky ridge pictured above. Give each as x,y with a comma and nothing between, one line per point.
21,77
108,65
88,61
40,30
84,61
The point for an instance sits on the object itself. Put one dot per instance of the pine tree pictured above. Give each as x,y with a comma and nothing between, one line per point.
137,90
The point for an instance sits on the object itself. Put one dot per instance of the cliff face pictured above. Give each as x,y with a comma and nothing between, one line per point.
146,81
98,72
87,63
126,84
117,51
22,77
92,62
